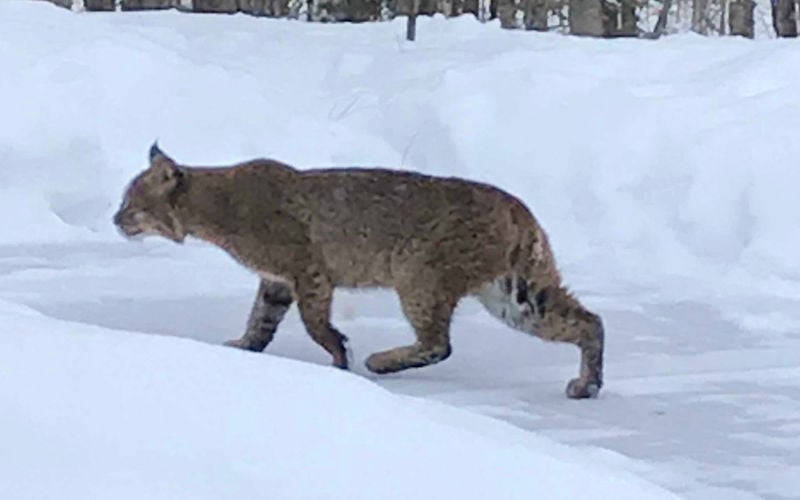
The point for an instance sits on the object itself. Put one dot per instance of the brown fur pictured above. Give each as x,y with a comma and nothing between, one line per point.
434,240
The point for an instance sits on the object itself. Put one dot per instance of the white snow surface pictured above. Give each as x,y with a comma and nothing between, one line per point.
110,414
665,173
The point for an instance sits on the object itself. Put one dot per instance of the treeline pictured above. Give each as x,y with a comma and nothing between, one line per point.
599,18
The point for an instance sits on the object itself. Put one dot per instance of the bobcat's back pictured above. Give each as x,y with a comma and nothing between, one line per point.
373,225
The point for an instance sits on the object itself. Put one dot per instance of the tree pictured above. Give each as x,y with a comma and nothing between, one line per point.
147,4
784,15
506,11
347,10
700,21
585,18
411,22
629,21
466,7
661,23
215,6
740,18
99,5
535,14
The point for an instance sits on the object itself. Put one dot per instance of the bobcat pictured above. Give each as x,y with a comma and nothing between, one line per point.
433,239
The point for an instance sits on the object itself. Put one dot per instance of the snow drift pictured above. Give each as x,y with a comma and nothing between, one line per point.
620,148
93,413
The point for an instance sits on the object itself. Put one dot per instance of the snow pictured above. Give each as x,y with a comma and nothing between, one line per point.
111,414
664,172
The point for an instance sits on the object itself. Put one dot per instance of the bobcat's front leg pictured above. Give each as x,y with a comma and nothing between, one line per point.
269,307
314,297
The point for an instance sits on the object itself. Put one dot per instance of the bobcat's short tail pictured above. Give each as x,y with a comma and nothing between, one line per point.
508,299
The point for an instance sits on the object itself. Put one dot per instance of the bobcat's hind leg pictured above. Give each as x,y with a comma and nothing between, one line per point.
272,301
564,319
430,317
551,313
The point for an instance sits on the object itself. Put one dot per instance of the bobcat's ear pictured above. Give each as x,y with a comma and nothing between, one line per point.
166,172
156,153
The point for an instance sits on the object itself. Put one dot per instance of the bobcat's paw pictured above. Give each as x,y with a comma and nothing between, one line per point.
379,363
582,389
238,343
244,344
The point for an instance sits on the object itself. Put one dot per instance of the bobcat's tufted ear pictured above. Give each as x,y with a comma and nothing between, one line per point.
156,153
165,172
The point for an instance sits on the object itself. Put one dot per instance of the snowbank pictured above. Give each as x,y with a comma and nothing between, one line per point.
668,164
93,413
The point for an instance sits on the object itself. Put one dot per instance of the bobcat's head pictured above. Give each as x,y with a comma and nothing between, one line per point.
148,207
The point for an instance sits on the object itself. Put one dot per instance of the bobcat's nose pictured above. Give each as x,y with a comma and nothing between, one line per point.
126,224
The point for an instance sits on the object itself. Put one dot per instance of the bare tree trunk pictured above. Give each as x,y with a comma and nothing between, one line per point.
99,5
411,27
740,18
629,25
784,18
407,7
468,7
610,13
427,7
147,4
663,16
347,10
411,22
586,18
214,6
278,8
269,8
507,12
360,11
400,7
253,7
699,16
535,14
492,9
